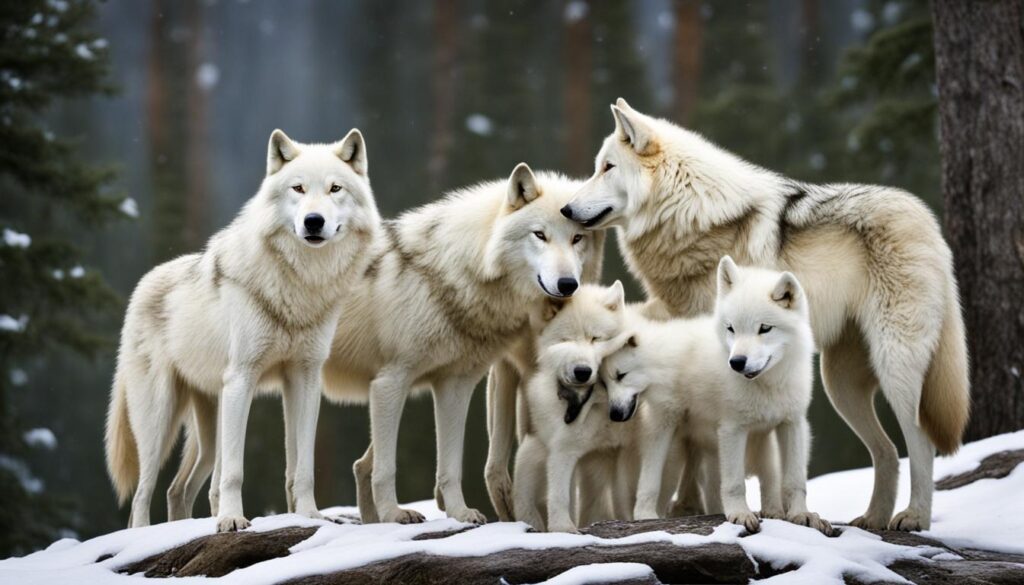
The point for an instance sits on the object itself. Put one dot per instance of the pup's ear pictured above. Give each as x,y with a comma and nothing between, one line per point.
280,150
352,149
728,275
615,297
522,186
633,130
787,292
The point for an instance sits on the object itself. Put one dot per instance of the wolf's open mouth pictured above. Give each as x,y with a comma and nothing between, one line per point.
597,218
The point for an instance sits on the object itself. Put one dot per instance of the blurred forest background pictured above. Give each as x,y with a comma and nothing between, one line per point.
165,138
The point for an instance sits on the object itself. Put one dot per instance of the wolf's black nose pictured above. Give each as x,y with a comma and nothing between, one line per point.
582,373
567,286
314,222
738,363
567,211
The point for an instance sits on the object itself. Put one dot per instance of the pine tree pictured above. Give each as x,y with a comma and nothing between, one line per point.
48,301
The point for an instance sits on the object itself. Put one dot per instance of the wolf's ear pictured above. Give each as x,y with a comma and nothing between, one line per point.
633,130
728,275
787,292
352,149
280,150
615,297
522,186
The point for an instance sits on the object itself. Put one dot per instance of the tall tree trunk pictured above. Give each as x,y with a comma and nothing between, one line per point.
979,52
443,86
686,59
578,69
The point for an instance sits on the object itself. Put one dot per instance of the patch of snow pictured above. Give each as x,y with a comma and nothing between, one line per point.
8,323
21,472
479,124
601,573
41,437
862,20
16,240
19,377
77,272
83,51
576,11
58,5
58,274
37,18
207,76
100,43
129,207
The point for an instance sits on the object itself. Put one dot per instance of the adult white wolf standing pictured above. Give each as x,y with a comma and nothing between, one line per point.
258,308
884,301
449,288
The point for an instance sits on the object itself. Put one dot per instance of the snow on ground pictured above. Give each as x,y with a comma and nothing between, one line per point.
986,514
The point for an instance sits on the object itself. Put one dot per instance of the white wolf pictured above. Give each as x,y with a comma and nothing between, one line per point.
449,287
564,423
883,298
258,308
684,368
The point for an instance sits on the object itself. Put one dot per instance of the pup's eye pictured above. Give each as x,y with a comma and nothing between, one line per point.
577,238
729,329
298,189
541,236
764,329
620,375
335,188
608,166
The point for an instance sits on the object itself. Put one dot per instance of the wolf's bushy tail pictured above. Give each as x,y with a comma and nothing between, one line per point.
122,452
945,398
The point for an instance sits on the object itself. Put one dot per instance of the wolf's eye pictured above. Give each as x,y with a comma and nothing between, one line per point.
335,188
729,329
764,329
608,166
577,238
620,375
541,236
298,189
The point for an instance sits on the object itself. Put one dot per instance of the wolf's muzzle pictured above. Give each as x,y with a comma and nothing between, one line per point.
620,414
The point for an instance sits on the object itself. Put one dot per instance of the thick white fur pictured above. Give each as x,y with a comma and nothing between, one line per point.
257,308
450,287
884,303
567,416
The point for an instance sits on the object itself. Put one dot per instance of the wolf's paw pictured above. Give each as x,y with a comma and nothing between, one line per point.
869,522
232,523
312,513
773,514
910,520
499,487
746,519
468,515
812,520
403,516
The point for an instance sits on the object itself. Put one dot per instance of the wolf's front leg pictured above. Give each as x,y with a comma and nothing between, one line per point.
301,411
732,449
529,485
236,398
388,392
653,453
794,437
560,468
451,407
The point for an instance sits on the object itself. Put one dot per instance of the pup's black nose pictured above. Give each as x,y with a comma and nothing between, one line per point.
582,373
738,363
567,286
314,222
567,212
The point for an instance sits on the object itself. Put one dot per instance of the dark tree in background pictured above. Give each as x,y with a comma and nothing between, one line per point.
979,49
48,301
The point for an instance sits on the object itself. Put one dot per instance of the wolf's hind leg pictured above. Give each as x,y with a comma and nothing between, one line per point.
502,383
451,408
851,385
177,508
154,416
362,469
202,440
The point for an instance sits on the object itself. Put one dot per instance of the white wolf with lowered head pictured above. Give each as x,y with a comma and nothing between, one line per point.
257,308
884,303
726,382
449,287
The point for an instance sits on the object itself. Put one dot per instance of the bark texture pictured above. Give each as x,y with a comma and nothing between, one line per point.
979,52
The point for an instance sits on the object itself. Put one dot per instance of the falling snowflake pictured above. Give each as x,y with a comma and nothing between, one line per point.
479,124
129,207
41,437
16,240
83,51
77,272
576,11
207,76
8,323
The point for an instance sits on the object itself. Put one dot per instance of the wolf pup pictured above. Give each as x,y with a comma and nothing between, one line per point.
879,277
449,287
563,426
258,308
